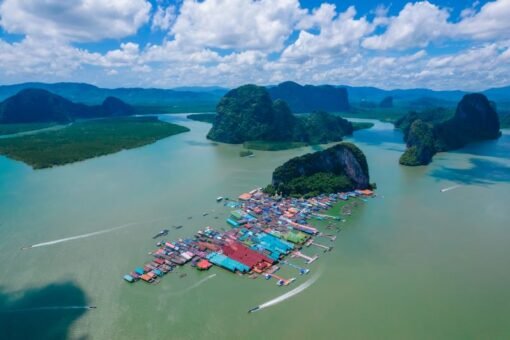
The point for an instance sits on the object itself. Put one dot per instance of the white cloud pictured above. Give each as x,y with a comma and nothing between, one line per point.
491,22
339,34
237,24
204,48
163,18
77,20
416,25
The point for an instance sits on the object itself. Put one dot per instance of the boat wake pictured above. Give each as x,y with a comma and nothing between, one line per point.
287,295
450,188
199,283
48,308
72,238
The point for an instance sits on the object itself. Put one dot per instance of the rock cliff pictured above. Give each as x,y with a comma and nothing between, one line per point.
341,167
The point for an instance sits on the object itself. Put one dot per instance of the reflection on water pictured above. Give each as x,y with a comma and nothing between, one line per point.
41,313
481,171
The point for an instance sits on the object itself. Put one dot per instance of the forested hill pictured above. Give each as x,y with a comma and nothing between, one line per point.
36,105
309,98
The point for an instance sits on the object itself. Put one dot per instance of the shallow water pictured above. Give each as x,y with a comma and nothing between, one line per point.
414,263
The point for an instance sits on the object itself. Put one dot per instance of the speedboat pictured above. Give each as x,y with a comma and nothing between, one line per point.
163,232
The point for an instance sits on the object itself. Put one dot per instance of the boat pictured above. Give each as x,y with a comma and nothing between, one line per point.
254,309
129,278
178,227
219,199
163,232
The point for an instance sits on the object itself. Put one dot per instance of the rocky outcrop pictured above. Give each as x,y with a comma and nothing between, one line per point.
341,167
248,114
420,144
433,131
475,120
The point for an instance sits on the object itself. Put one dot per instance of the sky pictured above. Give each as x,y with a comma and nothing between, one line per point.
437,44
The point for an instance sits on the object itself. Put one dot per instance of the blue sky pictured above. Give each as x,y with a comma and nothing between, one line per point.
159,43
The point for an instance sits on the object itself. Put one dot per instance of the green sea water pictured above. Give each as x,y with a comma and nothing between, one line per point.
414,263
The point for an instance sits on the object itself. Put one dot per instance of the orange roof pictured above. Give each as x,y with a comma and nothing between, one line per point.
245,196
204,264
145,277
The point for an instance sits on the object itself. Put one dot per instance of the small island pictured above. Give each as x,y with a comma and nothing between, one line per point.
249,115
340,168
433,131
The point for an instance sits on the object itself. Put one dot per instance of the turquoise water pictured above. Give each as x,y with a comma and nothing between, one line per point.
413,263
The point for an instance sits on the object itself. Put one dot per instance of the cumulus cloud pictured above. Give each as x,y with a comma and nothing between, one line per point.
417,24
339,34
231,42
163,18
78,20
491,22
237,24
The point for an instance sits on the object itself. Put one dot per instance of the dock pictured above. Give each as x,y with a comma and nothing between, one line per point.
308,259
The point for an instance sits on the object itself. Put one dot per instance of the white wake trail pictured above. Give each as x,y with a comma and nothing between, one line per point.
36,309
194,285
290,293
95,233
450,188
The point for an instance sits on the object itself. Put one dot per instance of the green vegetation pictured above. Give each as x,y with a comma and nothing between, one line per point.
86,140
434,131
504,119
203,117
41,106
272,146
420,138
311,98
342,167
245,153
361,125
248,114
180,100
9,129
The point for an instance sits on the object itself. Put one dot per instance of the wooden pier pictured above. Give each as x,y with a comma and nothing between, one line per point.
308,259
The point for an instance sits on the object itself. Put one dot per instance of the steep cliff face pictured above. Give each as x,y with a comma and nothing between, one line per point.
475,119
342,167
420,144
248,113
433,131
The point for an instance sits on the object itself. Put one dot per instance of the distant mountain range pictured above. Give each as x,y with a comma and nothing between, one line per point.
37,106
300,98
421,96
93,95
310,98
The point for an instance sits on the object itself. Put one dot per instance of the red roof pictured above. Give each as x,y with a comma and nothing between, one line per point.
204,264
245,255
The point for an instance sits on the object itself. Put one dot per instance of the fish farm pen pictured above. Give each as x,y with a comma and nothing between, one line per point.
265,231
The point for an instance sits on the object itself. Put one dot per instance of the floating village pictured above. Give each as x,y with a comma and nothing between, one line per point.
265,231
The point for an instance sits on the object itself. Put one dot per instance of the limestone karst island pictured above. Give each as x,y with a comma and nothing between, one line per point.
254,169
